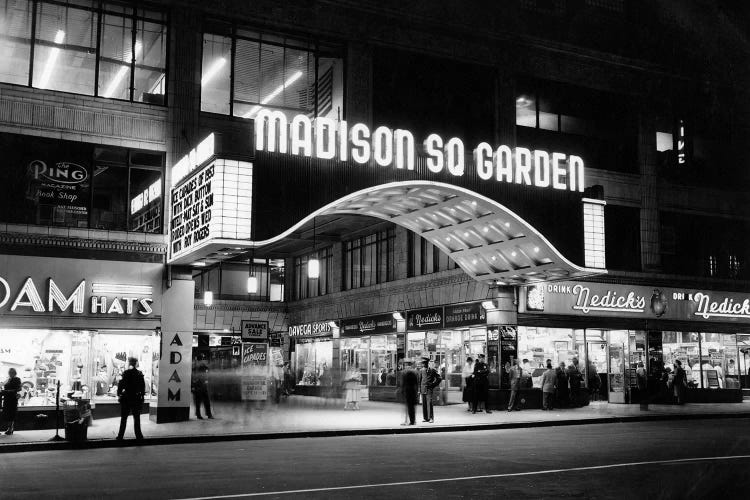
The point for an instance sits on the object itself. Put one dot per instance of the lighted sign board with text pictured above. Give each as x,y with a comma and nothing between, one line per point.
328,139
211,206
599,299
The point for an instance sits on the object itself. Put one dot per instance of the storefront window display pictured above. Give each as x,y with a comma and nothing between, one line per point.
382,360
718,356
355,357
88,364
538,344
313,359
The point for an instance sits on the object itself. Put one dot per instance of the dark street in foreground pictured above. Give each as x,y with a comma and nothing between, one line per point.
692,459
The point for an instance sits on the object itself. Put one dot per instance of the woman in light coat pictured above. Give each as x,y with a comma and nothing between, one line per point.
549,379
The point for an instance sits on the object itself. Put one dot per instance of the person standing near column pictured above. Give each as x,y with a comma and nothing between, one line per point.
481,384
200,391
130,391
409,392
9,400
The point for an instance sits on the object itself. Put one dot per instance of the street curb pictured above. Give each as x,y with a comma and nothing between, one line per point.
111,443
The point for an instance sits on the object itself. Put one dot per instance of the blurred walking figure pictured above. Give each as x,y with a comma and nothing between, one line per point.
199,388
287,384
429,379
9,400
679,382
352,381
561,385
515,372
409,390
481,385
130,391
642,381
575,377
467,375
549,380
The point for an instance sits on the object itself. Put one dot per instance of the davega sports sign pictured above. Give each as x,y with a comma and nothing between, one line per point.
327,139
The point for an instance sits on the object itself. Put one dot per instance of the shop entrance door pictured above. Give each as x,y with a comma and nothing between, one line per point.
596,370
743,343
616,373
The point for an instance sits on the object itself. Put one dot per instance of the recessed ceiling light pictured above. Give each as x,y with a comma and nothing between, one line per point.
474,261
507,224
536,249
494,258
486,229
513,254
466,234
447,238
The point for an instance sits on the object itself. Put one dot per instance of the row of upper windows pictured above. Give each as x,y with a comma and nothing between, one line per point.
91,48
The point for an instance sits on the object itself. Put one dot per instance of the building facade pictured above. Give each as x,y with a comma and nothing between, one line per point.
357,187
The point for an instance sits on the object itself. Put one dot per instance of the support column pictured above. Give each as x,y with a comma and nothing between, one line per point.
175,359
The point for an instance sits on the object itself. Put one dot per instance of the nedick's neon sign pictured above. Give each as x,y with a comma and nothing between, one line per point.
328,139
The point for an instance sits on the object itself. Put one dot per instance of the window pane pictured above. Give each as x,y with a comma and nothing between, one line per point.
215,74
525,111
116,56
15,41
151,62
110,206
664,141
330,88
65,53
145,201
246,76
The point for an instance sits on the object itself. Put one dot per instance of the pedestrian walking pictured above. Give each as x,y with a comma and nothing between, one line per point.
679,382
130,391
352,381
515,372
642,383
575,377
467,375
199,388
549,380
409,392
429,380
481,384
9,400
561,385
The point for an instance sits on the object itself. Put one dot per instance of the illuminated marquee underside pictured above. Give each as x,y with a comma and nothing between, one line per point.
488,241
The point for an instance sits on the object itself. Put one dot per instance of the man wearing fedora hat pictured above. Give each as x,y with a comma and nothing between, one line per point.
481,384
429,379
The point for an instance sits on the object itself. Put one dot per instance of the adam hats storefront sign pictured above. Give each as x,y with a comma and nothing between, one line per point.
597,299
327,139
369,325
425,319
44,287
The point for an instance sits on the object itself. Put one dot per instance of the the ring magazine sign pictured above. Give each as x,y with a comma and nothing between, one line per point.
603,299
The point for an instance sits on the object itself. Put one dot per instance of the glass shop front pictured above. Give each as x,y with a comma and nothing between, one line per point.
610,329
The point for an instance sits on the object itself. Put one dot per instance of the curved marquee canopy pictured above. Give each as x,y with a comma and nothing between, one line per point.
487,240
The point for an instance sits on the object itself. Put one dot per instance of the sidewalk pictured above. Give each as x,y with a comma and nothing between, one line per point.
301,416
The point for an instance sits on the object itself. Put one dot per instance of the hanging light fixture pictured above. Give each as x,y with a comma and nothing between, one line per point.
252,280
313,264
208,295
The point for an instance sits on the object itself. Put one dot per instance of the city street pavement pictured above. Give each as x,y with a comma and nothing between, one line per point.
682,459
310,416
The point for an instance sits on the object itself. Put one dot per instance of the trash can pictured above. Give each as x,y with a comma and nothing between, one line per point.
77,414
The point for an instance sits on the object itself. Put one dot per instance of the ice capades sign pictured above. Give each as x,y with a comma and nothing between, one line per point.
66,288
369,325
328,139
601,299
425,319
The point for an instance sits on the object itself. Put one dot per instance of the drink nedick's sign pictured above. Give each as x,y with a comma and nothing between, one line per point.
328,139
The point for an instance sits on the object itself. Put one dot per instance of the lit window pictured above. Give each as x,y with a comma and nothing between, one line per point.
593,233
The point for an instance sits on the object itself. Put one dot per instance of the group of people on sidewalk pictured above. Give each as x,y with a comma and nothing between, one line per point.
414,384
